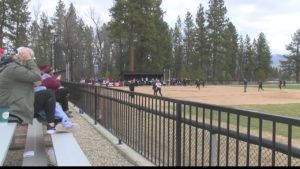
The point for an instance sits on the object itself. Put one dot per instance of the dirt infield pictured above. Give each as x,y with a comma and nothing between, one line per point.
226,95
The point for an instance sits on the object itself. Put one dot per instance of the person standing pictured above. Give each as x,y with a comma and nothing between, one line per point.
158,87
260,85
284,84
280,84
203,83
131,88
154,88
198,84
245,85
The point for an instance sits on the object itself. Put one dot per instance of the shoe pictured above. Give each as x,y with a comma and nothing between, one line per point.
50,130
69,115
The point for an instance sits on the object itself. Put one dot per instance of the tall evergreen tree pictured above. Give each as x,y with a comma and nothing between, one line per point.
291,64
138,26
18,20
241,55
217,22
231,52
34,35
263,58
177,41
70,42
189,39
58,22
248,61
43,49
201,61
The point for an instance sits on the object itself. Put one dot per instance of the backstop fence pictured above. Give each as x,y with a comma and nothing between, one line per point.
171,132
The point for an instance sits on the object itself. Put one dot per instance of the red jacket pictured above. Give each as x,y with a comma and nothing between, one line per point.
51,83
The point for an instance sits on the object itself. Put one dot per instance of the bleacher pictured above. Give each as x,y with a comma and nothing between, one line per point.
66,149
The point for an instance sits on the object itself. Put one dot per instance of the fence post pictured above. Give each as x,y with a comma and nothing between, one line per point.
95,106
213,149
178,134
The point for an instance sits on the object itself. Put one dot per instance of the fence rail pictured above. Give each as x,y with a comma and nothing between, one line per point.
172,132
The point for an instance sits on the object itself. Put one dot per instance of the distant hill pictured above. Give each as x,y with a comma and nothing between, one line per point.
276,58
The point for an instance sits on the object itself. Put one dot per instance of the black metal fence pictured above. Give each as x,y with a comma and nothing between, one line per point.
171,132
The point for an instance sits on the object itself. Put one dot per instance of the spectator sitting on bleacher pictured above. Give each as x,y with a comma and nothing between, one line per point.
18,75
60,115
53,83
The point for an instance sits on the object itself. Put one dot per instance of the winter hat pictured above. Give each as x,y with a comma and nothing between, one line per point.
2,51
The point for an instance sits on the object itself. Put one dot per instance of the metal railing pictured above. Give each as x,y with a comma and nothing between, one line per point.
171,132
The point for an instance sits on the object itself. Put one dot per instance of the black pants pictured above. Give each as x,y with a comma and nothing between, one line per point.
45,100
62,95
158,90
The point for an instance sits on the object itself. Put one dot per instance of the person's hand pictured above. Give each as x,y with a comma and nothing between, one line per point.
38,83
58,77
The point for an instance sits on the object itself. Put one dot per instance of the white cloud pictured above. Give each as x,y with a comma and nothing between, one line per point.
276,18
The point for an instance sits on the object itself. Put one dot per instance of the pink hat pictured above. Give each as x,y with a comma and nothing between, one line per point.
46,68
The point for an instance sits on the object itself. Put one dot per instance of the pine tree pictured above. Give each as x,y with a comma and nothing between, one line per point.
18,20
241,55
201,46
58,25
263,58
189,39
217,22
70,42
43,49
248,61
138,26
292,62
231,51
177,42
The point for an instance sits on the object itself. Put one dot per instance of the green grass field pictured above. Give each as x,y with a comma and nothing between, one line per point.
288,110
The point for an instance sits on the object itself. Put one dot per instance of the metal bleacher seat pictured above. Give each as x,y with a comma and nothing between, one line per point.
7,131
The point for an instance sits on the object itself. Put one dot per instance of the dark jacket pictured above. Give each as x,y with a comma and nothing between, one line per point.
131,86
16,88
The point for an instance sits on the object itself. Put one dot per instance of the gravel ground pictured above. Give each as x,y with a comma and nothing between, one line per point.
96,147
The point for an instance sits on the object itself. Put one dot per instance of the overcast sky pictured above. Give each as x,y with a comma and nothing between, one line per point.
277,19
